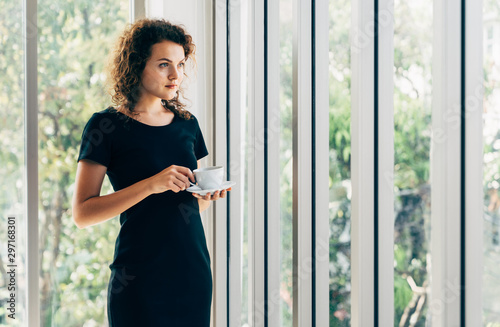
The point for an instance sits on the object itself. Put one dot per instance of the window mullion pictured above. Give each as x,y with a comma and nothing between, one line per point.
321,163
257,183
137,10
474,163
362,164
220,232
445,165
236,169
385,157
273,164
302,163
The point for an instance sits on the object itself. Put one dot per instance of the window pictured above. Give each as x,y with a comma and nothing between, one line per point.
340,163
74,39
13,160
491,179
412,140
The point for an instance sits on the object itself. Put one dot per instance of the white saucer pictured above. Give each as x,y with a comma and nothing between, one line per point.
196,189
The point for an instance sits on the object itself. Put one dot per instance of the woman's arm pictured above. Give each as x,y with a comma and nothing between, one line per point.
204,204
89,208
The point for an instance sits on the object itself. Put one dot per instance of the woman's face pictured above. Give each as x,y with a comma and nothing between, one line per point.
164,71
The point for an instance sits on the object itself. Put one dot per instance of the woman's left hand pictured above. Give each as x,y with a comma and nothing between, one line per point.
215,196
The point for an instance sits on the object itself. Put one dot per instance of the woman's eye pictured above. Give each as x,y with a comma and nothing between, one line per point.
181,64
164,64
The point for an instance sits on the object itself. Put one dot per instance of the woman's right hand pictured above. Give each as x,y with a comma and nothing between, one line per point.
174,178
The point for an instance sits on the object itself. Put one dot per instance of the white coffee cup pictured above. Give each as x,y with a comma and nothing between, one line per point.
209,177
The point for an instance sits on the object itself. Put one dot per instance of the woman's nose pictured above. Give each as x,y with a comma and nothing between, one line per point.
174,74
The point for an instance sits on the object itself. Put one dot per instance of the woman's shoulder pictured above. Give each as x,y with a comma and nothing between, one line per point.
105,120
108,114
194,123
190,117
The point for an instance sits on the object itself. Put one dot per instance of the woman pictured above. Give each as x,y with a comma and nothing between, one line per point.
148,146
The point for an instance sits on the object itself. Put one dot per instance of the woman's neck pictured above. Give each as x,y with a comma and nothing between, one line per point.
151,106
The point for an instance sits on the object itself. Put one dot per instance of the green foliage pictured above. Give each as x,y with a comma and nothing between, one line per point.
75,37
402,296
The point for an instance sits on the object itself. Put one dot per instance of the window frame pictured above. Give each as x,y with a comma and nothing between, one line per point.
472,103
372,99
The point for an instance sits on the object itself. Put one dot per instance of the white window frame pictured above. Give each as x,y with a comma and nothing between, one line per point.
321,250
302,162
457,193
237,16
474,194
263,171
372,125
362,174
445,165
256,200
385,80
219,210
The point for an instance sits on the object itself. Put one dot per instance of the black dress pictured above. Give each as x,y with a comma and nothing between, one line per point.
160,275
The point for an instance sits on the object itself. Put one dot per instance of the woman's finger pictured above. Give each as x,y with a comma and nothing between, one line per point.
186,172
182,180
179,184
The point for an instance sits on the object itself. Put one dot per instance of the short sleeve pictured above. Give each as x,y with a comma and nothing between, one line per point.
96,140
200,149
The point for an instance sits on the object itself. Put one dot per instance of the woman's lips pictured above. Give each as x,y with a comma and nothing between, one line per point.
171,86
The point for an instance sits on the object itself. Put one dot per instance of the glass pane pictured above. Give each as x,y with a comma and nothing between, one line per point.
412,139
286,159
340,162
491,180
75,38
12,163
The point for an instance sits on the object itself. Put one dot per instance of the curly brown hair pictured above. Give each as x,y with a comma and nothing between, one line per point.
129,57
